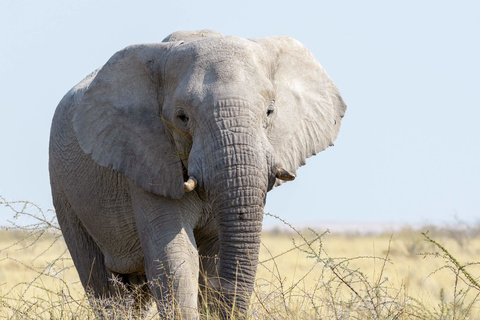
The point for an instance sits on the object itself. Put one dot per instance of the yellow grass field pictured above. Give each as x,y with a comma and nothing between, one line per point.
307,276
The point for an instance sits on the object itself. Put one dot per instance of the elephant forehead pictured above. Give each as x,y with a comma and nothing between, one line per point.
225,67
217,57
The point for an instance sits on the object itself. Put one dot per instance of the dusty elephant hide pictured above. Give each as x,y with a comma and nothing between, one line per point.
161,160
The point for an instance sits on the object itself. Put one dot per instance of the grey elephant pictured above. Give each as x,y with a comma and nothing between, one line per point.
161,160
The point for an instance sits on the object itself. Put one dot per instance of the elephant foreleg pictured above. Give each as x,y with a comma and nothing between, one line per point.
208,246
165,227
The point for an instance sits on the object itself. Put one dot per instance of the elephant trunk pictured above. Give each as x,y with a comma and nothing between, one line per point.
239,211
236,189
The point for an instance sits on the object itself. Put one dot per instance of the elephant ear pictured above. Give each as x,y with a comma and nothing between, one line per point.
308,106
118,120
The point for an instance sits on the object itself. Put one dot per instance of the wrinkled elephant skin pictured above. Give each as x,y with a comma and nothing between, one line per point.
161,160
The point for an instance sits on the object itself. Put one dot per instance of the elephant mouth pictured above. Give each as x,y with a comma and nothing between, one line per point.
192,182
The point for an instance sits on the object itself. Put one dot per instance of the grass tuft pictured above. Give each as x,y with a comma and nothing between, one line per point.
302,274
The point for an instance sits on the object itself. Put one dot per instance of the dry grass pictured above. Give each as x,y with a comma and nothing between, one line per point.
302,275
387,276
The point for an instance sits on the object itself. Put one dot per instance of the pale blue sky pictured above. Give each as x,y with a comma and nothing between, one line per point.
408,149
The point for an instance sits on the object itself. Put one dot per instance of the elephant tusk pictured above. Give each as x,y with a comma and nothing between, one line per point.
284,175
190,184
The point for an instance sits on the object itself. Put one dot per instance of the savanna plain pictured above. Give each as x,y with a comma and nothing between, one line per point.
426,273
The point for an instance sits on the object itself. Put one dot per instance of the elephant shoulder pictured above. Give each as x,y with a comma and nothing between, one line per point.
77,91
61,131
74,96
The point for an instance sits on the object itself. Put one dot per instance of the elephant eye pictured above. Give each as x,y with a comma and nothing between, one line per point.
270,109
182,116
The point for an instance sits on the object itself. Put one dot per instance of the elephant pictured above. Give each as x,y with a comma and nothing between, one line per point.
160,162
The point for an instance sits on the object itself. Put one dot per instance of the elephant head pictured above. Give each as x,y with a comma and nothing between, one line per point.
226,117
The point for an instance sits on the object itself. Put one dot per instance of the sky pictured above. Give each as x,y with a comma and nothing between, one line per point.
408,149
